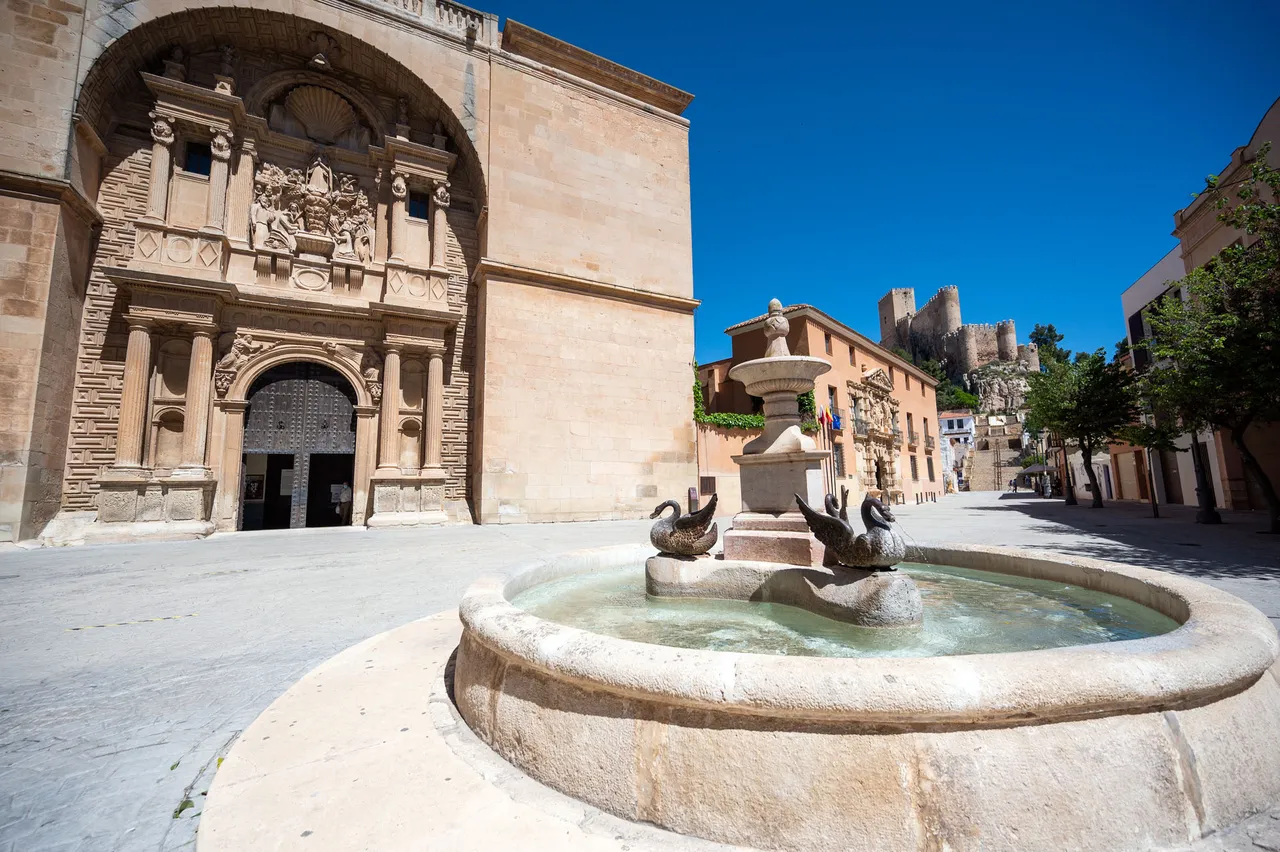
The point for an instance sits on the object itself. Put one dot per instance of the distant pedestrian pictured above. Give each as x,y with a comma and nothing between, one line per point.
344,503
1014,482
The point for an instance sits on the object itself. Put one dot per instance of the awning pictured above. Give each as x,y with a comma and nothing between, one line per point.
1036,468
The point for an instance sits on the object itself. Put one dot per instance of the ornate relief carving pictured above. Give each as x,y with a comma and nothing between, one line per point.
399,189
321,114
243,350
220,145
318,201
161,129
441,196
874,405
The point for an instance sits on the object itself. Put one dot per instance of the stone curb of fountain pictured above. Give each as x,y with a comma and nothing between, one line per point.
1224,646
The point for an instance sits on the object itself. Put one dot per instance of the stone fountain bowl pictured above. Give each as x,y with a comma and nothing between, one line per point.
1141,744
793,373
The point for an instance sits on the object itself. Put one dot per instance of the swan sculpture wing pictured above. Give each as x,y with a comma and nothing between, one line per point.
831,531
699,520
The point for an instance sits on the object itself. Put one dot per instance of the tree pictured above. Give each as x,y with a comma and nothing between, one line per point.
1217,350
1088,402
1046,338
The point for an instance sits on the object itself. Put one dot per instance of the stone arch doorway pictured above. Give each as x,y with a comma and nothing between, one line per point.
299,448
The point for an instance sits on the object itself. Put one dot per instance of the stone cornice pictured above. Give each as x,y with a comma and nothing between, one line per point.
20,185
525,41
559,281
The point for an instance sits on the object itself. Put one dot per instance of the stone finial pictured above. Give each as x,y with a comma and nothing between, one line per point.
776,328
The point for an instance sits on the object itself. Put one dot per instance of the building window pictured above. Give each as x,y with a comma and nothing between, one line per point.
910,427
891,375
928,463
198,159
826,339
419,208
951,424
837,457
851,357
926,427
906,378
915,470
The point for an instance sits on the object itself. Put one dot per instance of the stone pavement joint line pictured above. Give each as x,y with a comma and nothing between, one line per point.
94,720
130,623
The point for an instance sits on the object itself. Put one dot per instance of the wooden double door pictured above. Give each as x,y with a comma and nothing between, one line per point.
299,447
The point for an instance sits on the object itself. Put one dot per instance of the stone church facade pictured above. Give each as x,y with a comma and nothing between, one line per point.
354,262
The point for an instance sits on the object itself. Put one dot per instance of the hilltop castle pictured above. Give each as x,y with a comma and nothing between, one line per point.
935,331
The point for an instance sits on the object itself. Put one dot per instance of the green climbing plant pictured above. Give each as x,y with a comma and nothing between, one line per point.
733,420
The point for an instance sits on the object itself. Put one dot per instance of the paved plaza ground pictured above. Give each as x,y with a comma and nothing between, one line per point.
126,670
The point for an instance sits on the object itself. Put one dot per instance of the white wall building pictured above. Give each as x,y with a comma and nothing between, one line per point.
957,432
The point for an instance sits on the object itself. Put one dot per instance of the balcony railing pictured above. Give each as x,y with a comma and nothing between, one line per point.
930,443
913,438
837,417
453,18
897,435
861,427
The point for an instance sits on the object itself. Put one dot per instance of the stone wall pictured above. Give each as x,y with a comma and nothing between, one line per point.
122,198
937,317
588,186
42,257
587,406
40,43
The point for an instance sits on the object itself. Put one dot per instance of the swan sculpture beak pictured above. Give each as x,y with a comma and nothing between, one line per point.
887,515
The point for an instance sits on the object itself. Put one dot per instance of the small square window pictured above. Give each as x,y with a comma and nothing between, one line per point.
419,206
198,159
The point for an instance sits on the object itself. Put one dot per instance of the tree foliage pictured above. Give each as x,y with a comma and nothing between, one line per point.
1217,350
1046,338
1089,402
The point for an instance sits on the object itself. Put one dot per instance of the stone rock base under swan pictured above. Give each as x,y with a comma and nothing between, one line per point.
851,595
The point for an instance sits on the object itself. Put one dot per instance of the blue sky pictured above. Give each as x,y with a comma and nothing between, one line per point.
1032,154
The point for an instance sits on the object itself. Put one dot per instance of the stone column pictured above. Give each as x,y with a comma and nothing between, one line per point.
219,169
439,224
434,411
161,160
195,426
240,194
133,396
389,445
399,217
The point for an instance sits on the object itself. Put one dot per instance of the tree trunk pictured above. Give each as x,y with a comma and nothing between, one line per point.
1068,487
1260,476
1093,477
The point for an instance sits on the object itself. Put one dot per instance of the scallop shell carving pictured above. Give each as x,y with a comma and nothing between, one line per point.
325,114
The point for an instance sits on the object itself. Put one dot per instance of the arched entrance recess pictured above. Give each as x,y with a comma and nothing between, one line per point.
299,448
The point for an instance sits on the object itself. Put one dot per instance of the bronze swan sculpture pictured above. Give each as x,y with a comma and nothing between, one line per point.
685,535
878,549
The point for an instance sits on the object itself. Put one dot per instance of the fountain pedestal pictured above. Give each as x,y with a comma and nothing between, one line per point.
779,464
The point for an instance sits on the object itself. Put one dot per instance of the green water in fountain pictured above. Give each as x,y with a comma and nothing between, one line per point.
965,612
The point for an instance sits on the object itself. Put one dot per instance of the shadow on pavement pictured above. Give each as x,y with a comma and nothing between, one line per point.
1127,532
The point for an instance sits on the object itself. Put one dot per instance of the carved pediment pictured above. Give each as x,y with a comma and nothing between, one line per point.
878,378
321,115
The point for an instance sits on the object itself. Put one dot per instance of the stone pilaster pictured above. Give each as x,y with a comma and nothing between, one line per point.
219,170
195,428
439,224
434,412
161,161
133,396
240,193
399,217
389,443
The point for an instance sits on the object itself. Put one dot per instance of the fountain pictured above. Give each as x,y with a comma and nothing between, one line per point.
778,697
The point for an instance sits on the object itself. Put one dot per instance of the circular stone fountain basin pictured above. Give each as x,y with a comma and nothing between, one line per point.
1140,743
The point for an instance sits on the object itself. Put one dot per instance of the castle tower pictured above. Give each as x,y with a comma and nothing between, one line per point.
896,308
1030,353
1006,341
969,347
949,321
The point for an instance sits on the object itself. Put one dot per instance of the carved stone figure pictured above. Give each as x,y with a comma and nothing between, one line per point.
880,548
371,369
319,201
220,145
243,348
776,328
161,129
688,535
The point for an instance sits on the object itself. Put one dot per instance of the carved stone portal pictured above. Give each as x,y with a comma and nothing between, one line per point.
243,349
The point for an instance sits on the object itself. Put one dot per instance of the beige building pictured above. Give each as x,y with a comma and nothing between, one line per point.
885,442
310,263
